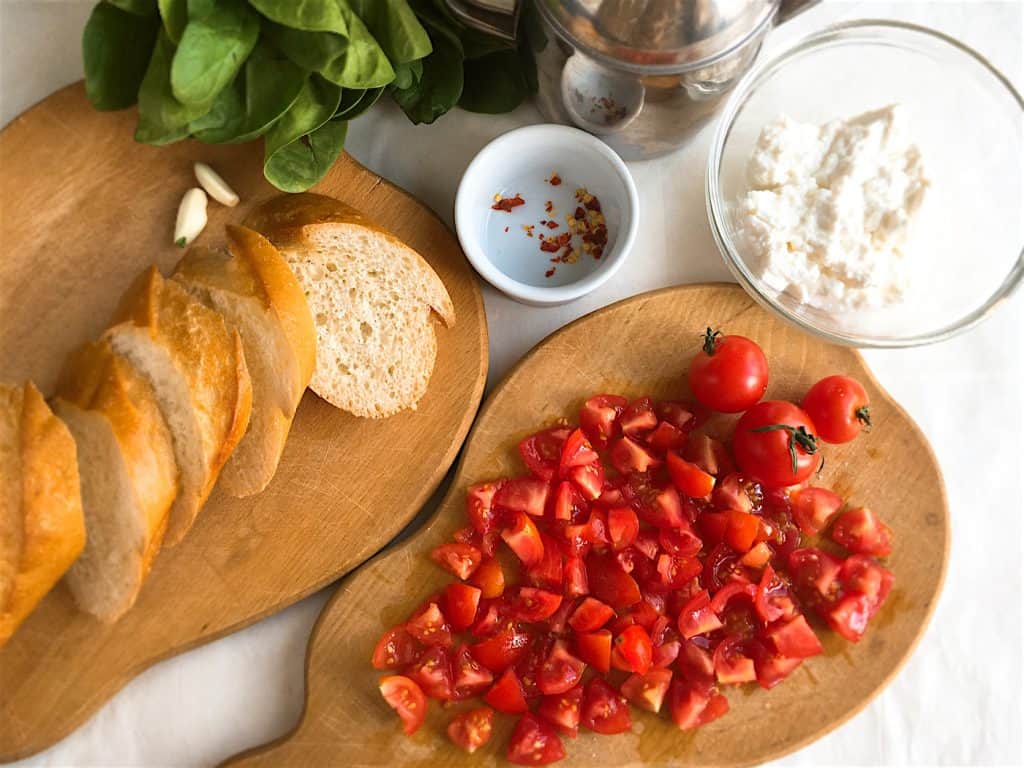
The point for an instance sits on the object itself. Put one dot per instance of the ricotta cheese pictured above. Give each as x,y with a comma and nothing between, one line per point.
829,206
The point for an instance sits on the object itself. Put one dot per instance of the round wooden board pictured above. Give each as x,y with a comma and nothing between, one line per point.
83,209
638,346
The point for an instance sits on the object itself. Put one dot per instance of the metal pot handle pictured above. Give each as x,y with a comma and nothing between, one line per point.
493,17
790,8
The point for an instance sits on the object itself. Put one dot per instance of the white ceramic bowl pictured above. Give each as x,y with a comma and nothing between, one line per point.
498,243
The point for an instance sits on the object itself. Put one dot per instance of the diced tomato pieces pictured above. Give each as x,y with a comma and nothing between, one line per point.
479,506
406,698
491,615
506,695
466,535
861,531
489,578
638,418
647,691
733,492
458,559
665,653
732,665
741,530
469,677
697,618
548,572
712,526
850,616
433,673
459,602
666,437
523,494
812,568
568,504
688,478
623,527
560,670
575,576
685,417
501,651
534,742
542,451
647,542
535,604
722,566
523,538
717,706
563,710
679,541
429,626
395,649
471,730
743,590
676,571
771,667
599,416
758,556
695,663
589,615
589,479
866,576
813,507
708,454
627,455
604,710
632,650
687,700
794,638
577,452
772,600
595,648
609,583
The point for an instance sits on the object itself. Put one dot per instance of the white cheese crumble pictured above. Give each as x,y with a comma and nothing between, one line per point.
827,214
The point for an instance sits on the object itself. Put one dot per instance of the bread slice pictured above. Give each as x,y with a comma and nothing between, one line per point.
371,297
197,369
52,530
128,472
252,287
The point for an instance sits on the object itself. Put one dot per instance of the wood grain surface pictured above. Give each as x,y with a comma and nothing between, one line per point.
638,346
83,209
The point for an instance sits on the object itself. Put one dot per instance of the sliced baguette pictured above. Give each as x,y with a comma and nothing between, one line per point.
197,369
52,530
371,297
254,290
129,476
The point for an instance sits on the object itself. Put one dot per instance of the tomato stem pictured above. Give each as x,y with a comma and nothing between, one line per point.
863,415
797,436
711,341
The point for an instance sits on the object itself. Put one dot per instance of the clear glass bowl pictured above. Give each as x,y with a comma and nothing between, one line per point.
968,238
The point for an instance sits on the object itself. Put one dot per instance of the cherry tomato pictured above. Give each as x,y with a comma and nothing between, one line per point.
563,710
524,539
687,702
395,649
639,418
542,451
604,710
523,494
632,650
430,626
838,405
507,694
589,615
577,452
730,374
814,507
732,665
501,651
860,530
459,603
627,455
406,698
471,730
595,648
458,559
433,674
794,638
647,691
610,584
599,418
689,478
489,578
774,441
560,670
534,742
623,527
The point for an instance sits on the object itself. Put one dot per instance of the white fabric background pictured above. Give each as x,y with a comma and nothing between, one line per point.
957,702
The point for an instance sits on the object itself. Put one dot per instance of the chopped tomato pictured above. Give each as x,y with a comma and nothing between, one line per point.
575,577
732,665
433,673
563,710
471,730
695,662
534,742
811,568
460,602
665,653
458,559
771,667
676,571
560,670
589,479
687,701
523,538
623,527
812,508
395,649
647,691
773,601
577,452
688,478
589,615
717,706
490,616
865,575
595,648
489,578
506,695
501,651
528,667
741,530
548,572
860,530
599,417
735,492
523,494
406,698
535,604
542,451
722,566
794,638
609,583
679,541
638,418
708,454
850,616
666,437
627,455
479,506
469,677
713,526
430,627
633,651
656,504
697,618
604,710
758,556
568,504
743,590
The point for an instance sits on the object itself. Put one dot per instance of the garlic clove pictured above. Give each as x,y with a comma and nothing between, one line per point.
191,217
215,186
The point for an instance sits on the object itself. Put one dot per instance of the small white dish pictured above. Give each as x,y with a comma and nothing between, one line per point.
501,245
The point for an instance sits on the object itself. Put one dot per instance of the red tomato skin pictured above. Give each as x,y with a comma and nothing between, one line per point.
589,615
609,584
741,530
577,452
489,578
850,616
813,507
563,710
773,601
732,378
395,649
534,742
595,648
479,506
731,664
647,691
604,710
634,649
430,626
765,455
839,407
469,677
433,674
623,527
533,604
506,695
406,698
501,651
471,730
460,560
523,494
524,539
771,667
861,531
639,418
459,603
560,670
599,418
794,638
688,478
686,701
542,451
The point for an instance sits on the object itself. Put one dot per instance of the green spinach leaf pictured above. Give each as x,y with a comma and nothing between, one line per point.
138,7
174,14
214,46
357,63
307,15
356,107
408,74
494,84
317,102
396,28
116,46
302,163
440,87
162,118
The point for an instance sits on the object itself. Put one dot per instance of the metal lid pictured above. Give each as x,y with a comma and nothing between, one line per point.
658,36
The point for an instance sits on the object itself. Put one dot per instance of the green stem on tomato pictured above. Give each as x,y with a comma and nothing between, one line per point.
711,341
797,436
863,415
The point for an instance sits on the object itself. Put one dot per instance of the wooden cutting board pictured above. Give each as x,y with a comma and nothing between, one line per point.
638,346
83,209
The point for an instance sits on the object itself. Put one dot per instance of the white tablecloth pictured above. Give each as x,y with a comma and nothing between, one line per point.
958,700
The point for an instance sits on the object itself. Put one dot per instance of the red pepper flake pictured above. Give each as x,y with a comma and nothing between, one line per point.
550,272
529,229
580,213
555,180
551,224
549,207
506,229
507,203
549,246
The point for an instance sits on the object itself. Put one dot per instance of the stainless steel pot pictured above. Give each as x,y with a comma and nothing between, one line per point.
644,75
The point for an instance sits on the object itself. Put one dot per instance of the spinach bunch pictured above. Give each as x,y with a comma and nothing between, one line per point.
293,72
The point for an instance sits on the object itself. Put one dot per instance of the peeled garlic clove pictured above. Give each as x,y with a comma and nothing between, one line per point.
191,217
215,186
